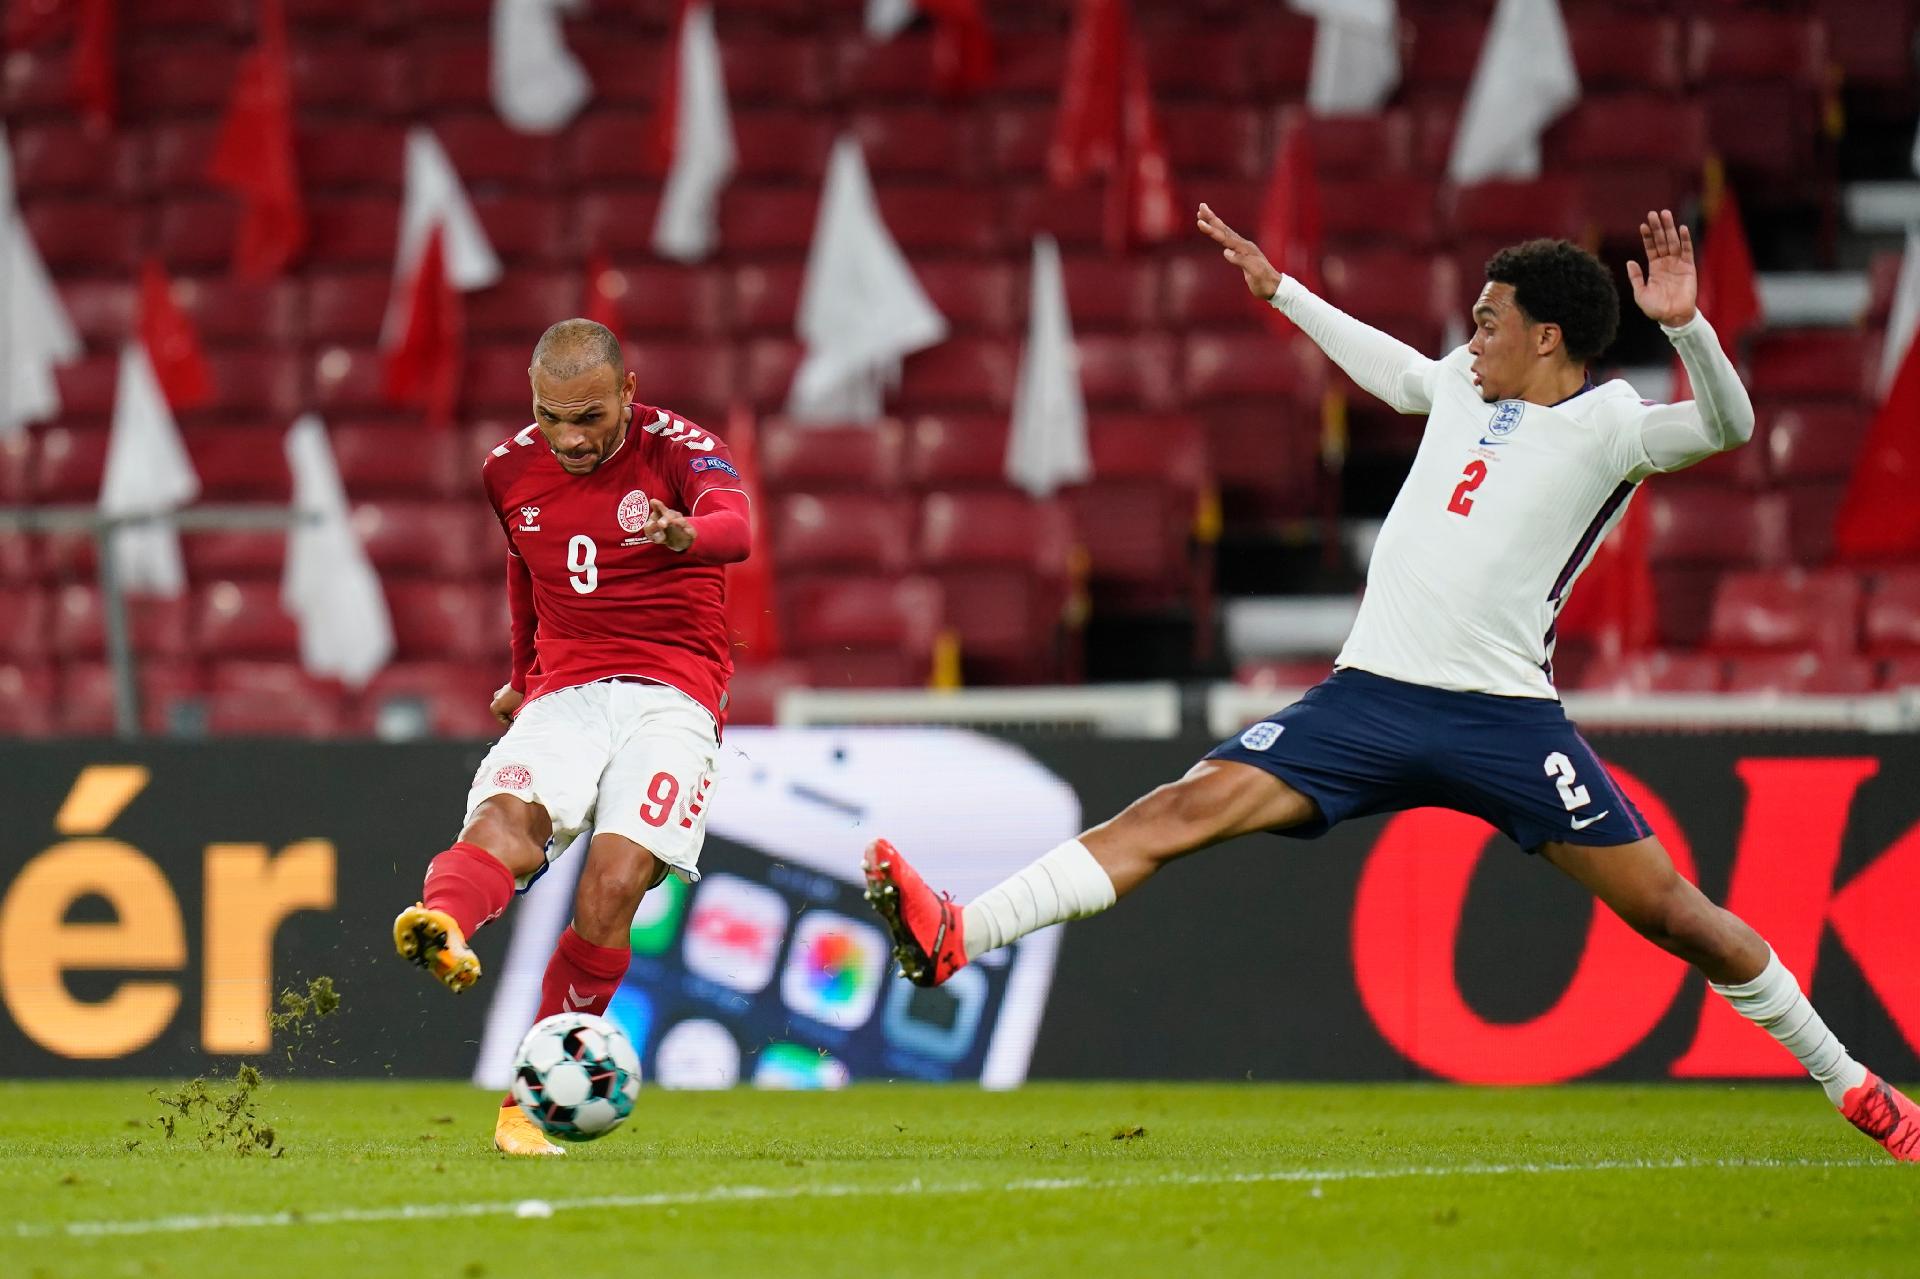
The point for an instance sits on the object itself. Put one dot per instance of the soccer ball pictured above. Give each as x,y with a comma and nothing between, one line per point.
576,1075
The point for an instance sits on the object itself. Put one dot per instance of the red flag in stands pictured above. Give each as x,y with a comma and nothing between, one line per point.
172,342
1729,291
443,252
1613,603
962,46
605,287
1290,232
1106,125
750,601
254,157
1879,518
92,71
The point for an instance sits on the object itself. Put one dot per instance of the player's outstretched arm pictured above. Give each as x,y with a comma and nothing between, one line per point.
1720,415
1381,364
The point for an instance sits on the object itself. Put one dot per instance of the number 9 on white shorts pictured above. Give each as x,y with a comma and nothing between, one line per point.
619,757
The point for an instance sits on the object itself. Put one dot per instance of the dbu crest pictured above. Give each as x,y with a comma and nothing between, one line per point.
1506,417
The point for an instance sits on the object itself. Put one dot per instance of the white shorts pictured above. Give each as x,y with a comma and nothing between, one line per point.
620,757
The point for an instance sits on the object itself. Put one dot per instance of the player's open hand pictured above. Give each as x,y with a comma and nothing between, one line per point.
1262,279
667,527
505,702
1668,290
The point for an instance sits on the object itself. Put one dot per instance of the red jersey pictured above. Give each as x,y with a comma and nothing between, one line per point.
608,602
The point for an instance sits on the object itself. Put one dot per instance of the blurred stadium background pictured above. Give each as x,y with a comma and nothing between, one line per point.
220,185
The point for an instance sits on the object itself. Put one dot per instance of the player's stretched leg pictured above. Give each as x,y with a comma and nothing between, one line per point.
588,962
934,936
470,884
1638,882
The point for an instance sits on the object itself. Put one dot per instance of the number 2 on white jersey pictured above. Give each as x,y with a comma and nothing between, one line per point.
581,553
1560,768
1471,479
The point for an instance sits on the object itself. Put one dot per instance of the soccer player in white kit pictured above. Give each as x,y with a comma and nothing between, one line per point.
1443,695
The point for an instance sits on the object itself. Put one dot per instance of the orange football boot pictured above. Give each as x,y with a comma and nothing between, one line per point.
432,940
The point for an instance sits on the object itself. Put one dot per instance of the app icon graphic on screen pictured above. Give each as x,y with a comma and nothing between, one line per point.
833,969
658,920
733,932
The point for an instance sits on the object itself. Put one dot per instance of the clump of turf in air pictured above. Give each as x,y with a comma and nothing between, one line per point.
300,1014
219,1117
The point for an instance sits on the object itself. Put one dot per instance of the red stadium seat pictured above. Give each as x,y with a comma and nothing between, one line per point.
1285,49
1386,285
1033,65
782,144
352,230
1655,672
102,311
170,695
457,621
661,297
961,373
386,459
1128,371
1200,61
869,533
766,296
1393,210
241,464
1443,57
1812,510
1813,364
1814,442
242,619
613,146
1206,141
159,627
260,381
808,457
450,71
957,450
351,154
1509,211
1003,563
865,69
523,304
1787,609
249,713
23,626
528,228
1251,365
1773,49
1901,672
787,70
770,366
26,700
753,220
1151,479
437,698
975,296
1893,614
448,540
1800,673
1625,51
61,156
1352,146
753,694
347,307
621,222
1108,293
86,235
70,464
1016,138
1204,292
1630,128
178,75
1283,674
962,218
224,309
924,141
1708,526
824,615
349,379
350,74
485,149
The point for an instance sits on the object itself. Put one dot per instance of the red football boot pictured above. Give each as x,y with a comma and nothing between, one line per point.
926,926
1883,1112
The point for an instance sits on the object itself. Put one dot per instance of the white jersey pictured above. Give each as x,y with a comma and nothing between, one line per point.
1506,502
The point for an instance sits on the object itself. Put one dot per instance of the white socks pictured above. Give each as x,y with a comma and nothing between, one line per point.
1773,1002
1065,884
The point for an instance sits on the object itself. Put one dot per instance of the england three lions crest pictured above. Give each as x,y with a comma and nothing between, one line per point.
1506,417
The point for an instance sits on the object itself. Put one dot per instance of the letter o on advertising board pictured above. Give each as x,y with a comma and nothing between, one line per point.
1406,919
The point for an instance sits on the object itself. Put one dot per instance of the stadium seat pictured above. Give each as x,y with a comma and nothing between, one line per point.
528,228
1193,61
926,217
1391,210
1016,138
1250,365
1767,48
786,69
766,296
926,141
1813,442
1893,614
1837,365
241,619
87,235
1630,128
394,459
1443,57
368,155
1266,457
27,702
1713,526
523,304
1288,674
754,220
171,697
159,627
1511,211
1352,146
352,230
347,306
664,297
267,713
448,540
876,622
1800,673
178,75
24,627
865,70
449,71
428,698
262,381
102,311
959,373
1900,673
770,365
785,145
753,694
809,457
1812,510
1284,43
66,157
241,312
238,553
1788,609
1660,671
1626,51
1003,562
1135,519
349,74
817,532
1386,285
975,296
957,450
608,146
1106,293
68,465
1206,141
1129,371
486,150
450,621
1202,292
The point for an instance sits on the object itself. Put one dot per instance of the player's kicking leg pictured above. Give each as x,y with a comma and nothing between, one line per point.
935,936
1638,882
469,884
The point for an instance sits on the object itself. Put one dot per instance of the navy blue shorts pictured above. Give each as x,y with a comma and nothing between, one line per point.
1360,743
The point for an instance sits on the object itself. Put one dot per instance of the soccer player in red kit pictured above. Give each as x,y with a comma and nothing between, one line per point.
619,518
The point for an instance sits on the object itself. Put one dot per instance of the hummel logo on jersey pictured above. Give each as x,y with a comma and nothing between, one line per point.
1581,823
529,519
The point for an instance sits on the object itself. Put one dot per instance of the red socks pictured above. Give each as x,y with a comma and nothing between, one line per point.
581,977
469,883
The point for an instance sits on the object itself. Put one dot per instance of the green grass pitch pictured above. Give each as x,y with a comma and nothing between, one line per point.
1082,1180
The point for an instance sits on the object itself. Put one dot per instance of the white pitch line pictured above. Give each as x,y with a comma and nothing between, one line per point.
750,1194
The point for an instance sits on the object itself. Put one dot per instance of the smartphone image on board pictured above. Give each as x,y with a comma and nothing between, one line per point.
771,969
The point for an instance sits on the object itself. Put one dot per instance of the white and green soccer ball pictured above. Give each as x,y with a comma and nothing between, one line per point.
576,1075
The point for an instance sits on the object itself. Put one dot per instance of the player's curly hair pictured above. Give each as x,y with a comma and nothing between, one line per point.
1555,282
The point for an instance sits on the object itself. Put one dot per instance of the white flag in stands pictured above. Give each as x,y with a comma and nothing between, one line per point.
688,225
329,585
1356,54
147,472
861,309
1524,81
538,85
35,334
1047,445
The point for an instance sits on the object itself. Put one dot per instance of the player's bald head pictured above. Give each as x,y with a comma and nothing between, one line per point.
573,347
